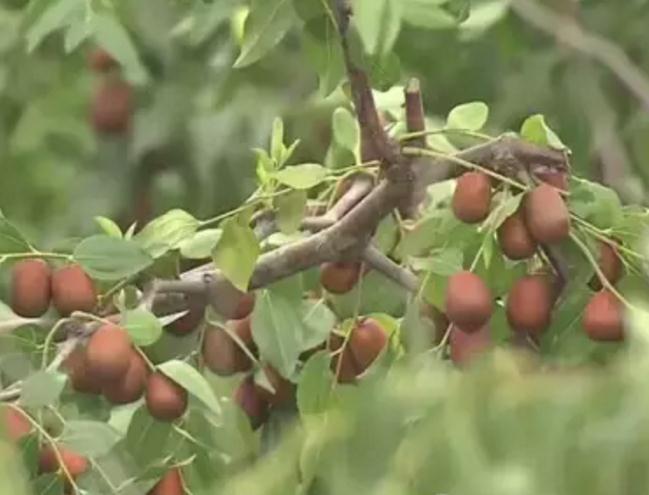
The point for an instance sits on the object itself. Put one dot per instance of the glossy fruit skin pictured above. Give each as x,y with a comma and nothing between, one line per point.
611,265
546,215
284,389
108,353
603,318
556,178
187,323
234,304
131,386
515,239
472,198
466,347
30,288
112,107
81,378
170,484
165,399
73,290
248,398
365,344
245,306
529,304
16,425
100,61
469,303
222,354
340,277
48,463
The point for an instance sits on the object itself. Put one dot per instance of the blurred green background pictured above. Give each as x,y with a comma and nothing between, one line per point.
198,118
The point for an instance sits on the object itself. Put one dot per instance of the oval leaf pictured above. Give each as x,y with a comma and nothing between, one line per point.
303,176
192,381
469,116
143,327
109,258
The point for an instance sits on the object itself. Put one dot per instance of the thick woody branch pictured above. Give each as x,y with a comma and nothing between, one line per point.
415,117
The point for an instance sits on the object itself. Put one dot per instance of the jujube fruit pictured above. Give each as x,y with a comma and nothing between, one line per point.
15,423
75,464
245,306
73,290
555,178
165,399
283,388
546,215
112,107
30,288
340,277
129,387
222,354
108,354
472,197
81,378
603,318
170,484
466,347
469,301
529,304
234,304
515,239
188,322
366,341
248,398
99,60
611,265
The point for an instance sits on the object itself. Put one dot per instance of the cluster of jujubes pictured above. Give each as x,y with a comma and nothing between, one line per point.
34,286
543,219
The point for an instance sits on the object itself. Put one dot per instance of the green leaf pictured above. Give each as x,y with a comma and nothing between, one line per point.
192,381
61,13
537,131
48,484
167,232
75,35
108,258
502,212
315,386
303,176
43,388
428,14
89,438
290,210
236,253
267,23
277,326
378,23
201,244
469,116
322,49
113,37
596,203
277,140
11,240
143,326
109,227
444,261
345,129
319,321
148,439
